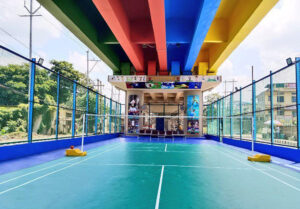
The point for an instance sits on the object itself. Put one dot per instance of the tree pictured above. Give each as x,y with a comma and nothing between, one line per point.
211,98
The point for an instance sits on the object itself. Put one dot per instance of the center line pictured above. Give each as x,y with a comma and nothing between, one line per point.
159,187
166,147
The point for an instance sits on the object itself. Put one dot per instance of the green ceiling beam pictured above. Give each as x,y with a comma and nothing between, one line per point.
69,13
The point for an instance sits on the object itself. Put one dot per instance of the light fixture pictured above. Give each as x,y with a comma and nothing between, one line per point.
41,61
289,61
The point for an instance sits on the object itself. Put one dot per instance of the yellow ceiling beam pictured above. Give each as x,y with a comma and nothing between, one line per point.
217,32
234,20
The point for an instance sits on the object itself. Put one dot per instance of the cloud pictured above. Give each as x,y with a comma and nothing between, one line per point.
277,35
274,39
45,28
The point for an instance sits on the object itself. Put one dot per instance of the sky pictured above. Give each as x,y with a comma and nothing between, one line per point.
266,48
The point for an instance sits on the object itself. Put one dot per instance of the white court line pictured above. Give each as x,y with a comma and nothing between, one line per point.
260,170
48,174
285,174
141,150
270,168
42,169
166,147
159,165
159,187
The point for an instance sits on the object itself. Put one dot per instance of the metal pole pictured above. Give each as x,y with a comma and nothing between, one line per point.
30,31
87,68
253,133
252,72
82,136
31,15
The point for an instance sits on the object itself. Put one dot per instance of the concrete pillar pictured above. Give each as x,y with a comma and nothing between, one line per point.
140,94
200,120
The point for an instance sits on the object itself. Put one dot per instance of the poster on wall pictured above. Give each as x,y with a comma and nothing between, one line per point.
193,126
193,102
133,125
133,105
164,85
133,110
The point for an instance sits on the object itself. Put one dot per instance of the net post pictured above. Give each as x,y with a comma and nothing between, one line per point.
231,113
82,135
271,109
254,110
298,99
241,115
74,108
96,112
253,114
87,111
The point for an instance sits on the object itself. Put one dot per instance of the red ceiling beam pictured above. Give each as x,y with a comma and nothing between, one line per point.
116,18
157,12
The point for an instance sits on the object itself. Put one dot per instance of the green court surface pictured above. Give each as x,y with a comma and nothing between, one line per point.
152,176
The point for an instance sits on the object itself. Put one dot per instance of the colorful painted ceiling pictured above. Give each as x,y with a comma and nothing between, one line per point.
161,37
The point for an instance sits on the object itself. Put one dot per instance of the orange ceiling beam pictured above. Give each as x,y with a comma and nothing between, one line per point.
116,18
157,13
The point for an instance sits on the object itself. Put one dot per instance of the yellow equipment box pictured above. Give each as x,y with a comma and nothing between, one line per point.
260,158
75,152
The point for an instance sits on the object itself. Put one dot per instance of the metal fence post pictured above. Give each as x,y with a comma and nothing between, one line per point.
74,109
254,110
298,99
231,113
31,99
120,119
115,119
96,112
86,112
271,108
218,119
104,112
57,105
207,118
110,113
241,116
223,121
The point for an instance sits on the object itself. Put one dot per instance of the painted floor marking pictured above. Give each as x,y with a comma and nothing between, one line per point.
159,165
48,174
262,171
270,168
42,169
159,187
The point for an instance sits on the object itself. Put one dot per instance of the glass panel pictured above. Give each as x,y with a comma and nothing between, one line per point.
14,81
65,123
81,98
285,126
45,98
78,122
284,88
263,126
247,126
66,93
263,94
92,110
247,99
226,116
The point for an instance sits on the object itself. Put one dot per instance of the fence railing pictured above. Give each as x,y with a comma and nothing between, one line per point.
272,102
38,103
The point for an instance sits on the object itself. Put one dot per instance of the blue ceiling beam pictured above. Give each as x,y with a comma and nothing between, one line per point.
205,18
181,17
